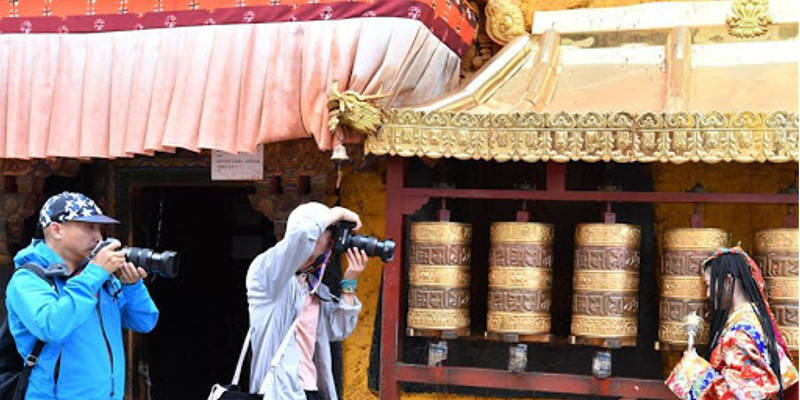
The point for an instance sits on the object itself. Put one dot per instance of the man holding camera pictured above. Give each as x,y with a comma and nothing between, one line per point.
80,318
293,315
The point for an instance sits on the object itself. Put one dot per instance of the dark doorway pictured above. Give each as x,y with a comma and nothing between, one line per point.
204,310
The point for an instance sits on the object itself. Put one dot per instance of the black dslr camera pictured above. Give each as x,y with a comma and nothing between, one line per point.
343,239
164,264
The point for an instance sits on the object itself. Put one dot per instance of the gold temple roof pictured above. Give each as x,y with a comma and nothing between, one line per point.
646,93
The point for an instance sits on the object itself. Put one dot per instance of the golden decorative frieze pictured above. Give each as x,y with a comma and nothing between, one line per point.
441,232
782,288
620,137
695,239
439,275
520,278
749,18
506,322
673,332
790,335
607,235
583,325
602,281
683,287
522,232
438,319
777,240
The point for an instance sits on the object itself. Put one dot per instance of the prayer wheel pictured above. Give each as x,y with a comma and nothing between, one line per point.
439,279
520,278
606,285
776,254
683,290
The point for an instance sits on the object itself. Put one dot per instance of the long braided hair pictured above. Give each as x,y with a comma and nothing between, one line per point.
734,263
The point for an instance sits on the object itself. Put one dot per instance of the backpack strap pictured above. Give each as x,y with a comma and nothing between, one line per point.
32,359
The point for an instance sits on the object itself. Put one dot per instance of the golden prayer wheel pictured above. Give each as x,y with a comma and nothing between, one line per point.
520,278
606,285
776,254
439,279
683,290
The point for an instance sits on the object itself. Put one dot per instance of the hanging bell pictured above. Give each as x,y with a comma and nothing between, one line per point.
339,154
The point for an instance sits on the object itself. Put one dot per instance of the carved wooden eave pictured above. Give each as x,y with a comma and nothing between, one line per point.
653,84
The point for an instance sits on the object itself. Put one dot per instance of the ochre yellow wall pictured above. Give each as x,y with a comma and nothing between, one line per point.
365,194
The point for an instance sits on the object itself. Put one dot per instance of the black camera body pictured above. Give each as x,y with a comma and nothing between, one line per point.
343,239
164,264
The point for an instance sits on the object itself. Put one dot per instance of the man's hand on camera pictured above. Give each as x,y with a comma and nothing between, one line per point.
356,261
343,214
130,274
110,258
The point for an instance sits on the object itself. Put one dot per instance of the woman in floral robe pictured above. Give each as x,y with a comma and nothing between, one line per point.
748,358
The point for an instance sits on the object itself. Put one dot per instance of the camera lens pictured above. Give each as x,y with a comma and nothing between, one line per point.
164,264
373,247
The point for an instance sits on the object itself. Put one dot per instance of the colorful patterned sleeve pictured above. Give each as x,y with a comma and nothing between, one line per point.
739,371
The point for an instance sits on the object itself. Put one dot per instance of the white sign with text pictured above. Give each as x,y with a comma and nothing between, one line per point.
237,167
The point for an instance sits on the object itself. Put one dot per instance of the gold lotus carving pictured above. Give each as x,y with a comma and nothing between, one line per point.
506,322
673,332
584,325
439,275
695,239
620,137
441,232
782,288
749,18
778,239
438,319
522,232
790,335
606,281
683,287
607,235
519,278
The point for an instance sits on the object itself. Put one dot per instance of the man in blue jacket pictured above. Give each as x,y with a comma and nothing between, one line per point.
81,319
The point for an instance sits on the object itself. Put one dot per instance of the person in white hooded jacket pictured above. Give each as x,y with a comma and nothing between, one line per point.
280,290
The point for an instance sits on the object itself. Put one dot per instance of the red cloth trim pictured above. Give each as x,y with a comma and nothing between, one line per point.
457,39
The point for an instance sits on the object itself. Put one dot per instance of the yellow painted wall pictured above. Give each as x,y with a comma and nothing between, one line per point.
366,195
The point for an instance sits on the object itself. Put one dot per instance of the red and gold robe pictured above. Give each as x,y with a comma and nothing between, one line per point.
739,367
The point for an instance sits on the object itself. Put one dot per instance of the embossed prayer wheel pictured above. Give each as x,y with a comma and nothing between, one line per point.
439,279
776,254
683,290
605,285
520,278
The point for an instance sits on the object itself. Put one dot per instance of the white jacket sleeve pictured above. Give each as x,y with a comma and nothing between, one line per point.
340,319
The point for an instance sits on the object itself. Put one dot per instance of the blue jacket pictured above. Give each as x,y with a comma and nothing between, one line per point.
83,356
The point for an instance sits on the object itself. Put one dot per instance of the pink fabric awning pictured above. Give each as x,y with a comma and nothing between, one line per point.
225,87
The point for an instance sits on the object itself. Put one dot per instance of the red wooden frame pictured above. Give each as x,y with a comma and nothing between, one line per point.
402,201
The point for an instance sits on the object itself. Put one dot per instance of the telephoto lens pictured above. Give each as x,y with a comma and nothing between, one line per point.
163,264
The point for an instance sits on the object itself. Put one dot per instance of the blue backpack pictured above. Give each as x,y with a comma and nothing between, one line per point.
14,370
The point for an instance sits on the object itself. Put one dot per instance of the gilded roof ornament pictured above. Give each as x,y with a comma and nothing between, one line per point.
749,18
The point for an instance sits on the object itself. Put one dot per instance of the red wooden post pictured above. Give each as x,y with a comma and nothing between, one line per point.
392,282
